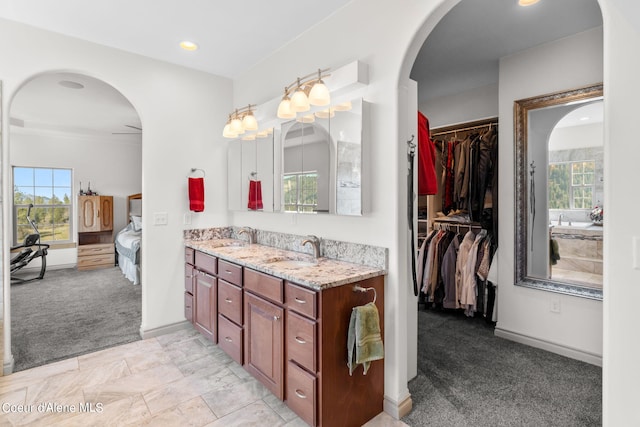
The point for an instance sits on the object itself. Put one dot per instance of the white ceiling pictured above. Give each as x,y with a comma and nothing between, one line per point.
463,50
461,53
232,35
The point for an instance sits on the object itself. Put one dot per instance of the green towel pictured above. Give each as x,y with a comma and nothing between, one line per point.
364,342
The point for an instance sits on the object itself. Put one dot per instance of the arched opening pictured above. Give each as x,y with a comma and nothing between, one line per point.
75,141
468,103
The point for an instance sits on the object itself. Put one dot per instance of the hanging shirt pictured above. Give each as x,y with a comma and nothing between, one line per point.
427,180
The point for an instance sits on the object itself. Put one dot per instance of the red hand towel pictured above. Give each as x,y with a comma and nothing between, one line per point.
255,195
196,194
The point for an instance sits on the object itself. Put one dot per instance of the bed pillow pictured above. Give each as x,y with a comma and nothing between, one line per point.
137,222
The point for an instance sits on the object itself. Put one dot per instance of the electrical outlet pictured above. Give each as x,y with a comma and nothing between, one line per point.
187,218
555,306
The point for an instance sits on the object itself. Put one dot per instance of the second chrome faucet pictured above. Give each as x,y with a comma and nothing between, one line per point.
249,232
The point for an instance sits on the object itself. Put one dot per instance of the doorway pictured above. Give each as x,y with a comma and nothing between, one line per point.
72,135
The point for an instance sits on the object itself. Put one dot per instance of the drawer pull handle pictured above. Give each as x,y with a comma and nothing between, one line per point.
300,340
276,318
229,300
189,277
227,339
300,301
300,394
229,272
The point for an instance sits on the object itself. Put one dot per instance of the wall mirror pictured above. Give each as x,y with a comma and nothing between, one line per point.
250,173
322,161
559,192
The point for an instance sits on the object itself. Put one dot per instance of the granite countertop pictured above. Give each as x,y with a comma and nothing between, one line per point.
317,274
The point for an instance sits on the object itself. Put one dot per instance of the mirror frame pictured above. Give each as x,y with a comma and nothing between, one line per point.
521,124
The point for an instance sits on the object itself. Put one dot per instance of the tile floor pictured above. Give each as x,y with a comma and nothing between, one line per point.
179,379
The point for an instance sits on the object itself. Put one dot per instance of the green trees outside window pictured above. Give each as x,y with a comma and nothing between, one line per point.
571,185
49,190
300,192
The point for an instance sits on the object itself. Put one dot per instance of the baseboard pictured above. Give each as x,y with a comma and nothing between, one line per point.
560,349
7,368
397,409
163,330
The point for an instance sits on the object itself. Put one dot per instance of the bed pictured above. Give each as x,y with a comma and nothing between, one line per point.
128,240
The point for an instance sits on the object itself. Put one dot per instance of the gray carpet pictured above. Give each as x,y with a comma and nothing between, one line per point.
70,313
469,377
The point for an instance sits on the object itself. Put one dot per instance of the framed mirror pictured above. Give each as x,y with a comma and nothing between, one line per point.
559,192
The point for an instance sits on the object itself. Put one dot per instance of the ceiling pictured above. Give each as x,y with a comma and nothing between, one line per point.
460,54
463,50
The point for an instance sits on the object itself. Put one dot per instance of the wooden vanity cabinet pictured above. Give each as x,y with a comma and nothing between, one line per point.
188,283
205,295
230,310
318,385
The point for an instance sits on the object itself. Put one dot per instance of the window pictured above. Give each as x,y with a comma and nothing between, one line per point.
49,190
571,185
300,192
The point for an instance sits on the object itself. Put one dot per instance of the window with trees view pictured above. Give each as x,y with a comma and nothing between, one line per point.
49,190
571,185
300,192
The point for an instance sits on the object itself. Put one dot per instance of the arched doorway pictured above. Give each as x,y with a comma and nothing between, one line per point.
503,110
71,134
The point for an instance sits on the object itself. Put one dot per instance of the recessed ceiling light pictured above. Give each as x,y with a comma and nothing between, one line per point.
70,84
187,45
527,2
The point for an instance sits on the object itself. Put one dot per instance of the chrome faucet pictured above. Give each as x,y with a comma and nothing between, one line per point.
560,219
315,243
249,232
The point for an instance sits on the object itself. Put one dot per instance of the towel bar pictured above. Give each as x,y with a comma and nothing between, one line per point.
357,288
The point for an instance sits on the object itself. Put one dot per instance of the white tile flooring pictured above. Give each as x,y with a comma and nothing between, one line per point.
179,379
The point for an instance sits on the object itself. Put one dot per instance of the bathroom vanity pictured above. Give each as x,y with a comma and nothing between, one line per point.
284,316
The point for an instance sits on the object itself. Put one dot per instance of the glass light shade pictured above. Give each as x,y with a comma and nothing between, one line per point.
249,122
299,101
285,111
236,126
319,94
527,2
262,134
227,132
345,106
309,118
326,114
250,137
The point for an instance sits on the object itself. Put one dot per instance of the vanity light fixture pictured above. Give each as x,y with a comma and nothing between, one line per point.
527,2
326,113
307,118
241,120
308,90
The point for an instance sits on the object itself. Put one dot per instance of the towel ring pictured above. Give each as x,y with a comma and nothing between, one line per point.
357,288
196,170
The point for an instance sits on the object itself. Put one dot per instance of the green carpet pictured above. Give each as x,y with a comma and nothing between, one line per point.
70,313
469,377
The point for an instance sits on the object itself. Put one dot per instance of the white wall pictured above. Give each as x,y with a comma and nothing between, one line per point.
182,113
526,313
474,104
113,167
571,137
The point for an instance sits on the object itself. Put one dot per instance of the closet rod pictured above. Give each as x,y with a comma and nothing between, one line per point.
465,129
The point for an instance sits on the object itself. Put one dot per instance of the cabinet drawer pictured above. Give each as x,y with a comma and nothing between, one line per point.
262,284
301,341
230,338
206,262
300,299
232,273
230,301
188,255
301,393
188,306
188,278
97,249
97,261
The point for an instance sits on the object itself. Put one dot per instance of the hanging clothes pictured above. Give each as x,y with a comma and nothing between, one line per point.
427,180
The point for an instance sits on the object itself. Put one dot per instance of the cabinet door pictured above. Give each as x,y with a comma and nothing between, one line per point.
88,211
105,213
205,304
264,342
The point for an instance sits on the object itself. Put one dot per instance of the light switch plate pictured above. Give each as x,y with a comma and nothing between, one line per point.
160,218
